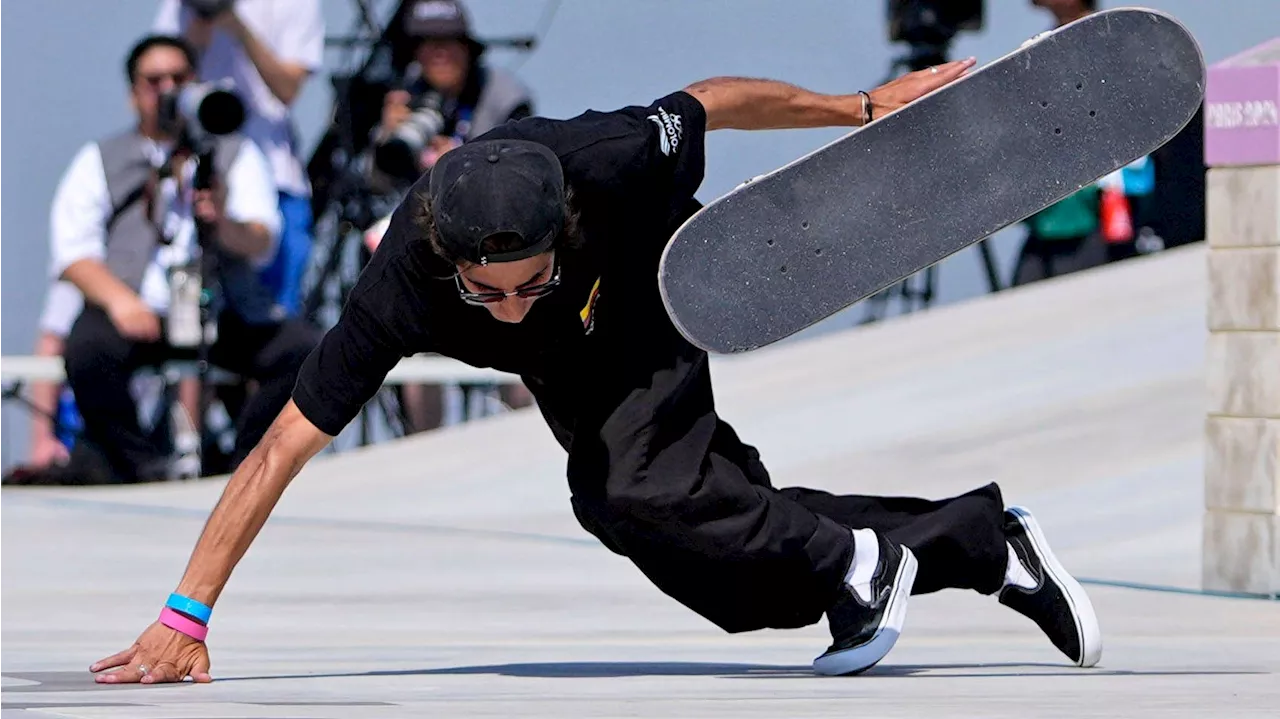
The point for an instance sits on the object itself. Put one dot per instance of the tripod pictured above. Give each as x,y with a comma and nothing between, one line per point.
211,300
921,55
196,297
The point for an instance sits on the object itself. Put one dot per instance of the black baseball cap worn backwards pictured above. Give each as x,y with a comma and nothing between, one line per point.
491,187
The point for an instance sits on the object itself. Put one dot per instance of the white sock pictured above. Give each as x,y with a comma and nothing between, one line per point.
1015,574
866,555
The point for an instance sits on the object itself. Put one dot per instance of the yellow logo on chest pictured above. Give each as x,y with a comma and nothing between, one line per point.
588,313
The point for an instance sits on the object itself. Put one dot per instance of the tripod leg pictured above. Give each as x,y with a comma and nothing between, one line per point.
202,415
328,271
365,419
394,413
989,264
930,283
875,306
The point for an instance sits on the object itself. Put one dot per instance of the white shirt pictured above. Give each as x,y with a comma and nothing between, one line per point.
62,305
82,206
294,31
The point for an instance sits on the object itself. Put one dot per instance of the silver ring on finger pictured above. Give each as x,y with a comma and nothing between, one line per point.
142,669
933,70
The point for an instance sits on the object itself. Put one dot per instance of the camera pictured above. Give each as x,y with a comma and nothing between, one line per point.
398,154
932,22
195,114
208,8
929,26
199,111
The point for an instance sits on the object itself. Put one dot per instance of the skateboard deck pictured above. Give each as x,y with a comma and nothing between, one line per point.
789,248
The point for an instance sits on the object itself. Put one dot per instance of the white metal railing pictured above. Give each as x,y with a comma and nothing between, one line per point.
19,371
421,369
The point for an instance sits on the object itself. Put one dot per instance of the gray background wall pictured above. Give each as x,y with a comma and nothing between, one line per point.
62,75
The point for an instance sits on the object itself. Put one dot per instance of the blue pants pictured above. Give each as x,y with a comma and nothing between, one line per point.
284,274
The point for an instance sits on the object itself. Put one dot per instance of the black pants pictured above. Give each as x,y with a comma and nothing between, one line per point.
713,533
100,363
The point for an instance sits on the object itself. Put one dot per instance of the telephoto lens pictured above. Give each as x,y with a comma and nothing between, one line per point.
203,110
398,154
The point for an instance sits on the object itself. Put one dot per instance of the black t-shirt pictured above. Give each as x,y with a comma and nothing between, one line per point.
598,350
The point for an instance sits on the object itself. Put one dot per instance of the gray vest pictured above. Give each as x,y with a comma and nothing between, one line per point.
132,237
501,94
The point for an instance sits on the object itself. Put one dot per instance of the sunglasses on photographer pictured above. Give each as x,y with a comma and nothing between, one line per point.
485,298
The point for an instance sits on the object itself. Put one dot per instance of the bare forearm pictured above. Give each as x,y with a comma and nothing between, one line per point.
247,239
44,395
247,502
284,79
747,104
739,103
199,33
98,285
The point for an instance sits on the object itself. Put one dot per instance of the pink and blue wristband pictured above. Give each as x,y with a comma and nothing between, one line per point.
179,623
190,607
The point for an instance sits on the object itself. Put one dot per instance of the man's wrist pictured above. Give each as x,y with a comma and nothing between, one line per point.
877,106
117,301
850,110
821,110
229,228
191,607
232,24
204,593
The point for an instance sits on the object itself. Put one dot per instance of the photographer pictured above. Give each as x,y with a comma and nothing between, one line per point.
447,97
142,238
268,48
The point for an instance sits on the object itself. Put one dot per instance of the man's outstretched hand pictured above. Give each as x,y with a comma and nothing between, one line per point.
912,86
160,655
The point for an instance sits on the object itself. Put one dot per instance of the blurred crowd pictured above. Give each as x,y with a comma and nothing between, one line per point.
179,243
1154,203
176,245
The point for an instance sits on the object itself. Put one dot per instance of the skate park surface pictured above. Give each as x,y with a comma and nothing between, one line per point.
444,575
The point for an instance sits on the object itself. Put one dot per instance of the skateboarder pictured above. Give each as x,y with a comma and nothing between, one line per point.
533,249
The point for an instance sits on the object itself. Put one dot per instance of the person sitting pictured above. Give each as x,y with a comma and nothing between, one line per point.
126,231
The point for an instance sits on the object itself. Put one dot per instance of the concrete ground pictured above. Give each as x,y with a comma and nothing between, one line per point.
445,576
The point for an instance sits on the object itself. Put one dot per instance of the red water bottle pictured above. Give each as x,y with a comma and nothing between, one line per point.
1116,218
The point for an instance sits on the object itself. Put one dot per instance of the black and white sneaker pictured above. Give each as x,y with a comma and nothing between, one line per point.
1057,603
866,621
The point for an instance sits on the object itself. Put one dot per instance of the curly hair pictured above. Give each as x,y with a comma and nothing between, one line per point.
570,237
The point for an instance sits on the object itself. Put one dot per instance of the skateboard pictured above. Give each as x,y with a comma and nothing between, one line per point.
789,248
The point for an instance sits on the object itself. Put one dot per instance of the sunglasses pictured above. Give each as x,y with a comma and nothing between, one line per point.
486,298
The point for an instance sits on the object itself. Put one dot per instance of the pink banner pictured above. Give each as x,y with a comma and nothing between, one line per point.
1241,122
